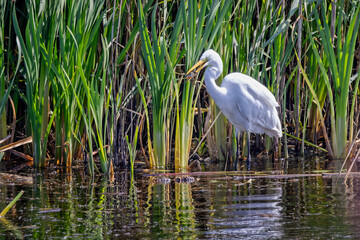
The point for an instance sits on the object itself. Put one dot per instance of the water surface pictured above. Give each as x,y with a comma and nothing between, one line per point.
60,205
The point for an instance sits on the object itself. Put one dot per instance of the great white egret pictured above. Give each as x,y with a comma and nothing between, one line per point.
246,103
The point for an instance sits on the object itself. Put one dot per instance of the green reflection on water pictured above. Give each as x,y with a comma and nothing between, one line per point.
185,217
220,206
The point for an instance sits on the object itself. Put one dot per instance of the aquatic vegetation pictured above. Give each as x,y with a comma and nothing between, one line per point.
196,39
11,204
132,150
82,77
159,63
340,55
37,48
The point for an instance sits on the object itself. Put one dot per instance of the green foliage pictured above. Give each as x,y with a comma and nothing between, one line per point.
93,73
9,206
198,36
340,66
132,149
3,92
38,46
159,63
61,59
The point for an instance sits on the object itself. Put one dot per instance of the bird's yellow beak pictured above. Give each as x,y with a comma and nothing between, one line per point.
195,69
200,65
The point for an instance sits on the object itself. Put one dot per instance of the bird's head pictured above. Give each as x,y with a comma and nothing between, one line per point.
208,58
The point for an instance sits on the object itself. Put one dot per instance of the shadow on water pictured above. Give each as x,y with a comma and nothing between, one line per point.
221,205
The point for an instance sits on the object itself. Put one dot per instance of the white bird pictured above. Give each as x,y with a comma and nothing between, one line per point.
246,103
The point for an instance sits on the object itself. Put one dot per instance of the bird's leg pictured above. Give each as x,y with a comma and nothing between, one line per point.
248,148
237,148
276,149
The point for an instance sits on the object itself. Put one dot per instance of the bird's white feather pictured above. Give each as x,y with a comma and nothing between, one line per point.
247,104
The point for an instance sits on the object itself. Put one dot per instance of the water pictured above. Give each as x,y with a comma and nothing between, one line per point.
214,206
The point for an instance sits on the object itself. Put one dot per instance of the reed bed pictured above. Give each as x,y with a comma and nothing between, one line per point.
103,81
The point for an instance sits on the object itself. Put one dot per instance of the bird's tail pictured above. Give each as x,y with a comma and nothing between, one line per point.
276,130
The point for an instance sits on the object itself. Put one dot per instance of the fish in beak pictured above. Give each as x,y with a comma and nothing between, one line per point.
195,69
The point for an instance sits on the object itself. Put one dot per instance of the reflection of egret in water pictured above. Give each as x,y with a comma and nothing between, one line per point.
352,190
215,206
249,209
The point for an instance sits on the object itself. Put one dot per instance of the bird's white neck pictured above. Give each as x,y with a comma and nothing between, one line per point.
216,92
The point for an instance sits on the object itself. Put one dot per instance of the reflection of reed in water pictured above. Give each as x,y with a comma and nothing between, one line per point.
158,209
185,216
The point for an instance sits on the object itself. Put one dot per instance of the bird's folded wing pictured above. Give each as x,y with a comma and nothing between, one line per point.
254,110
262,94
